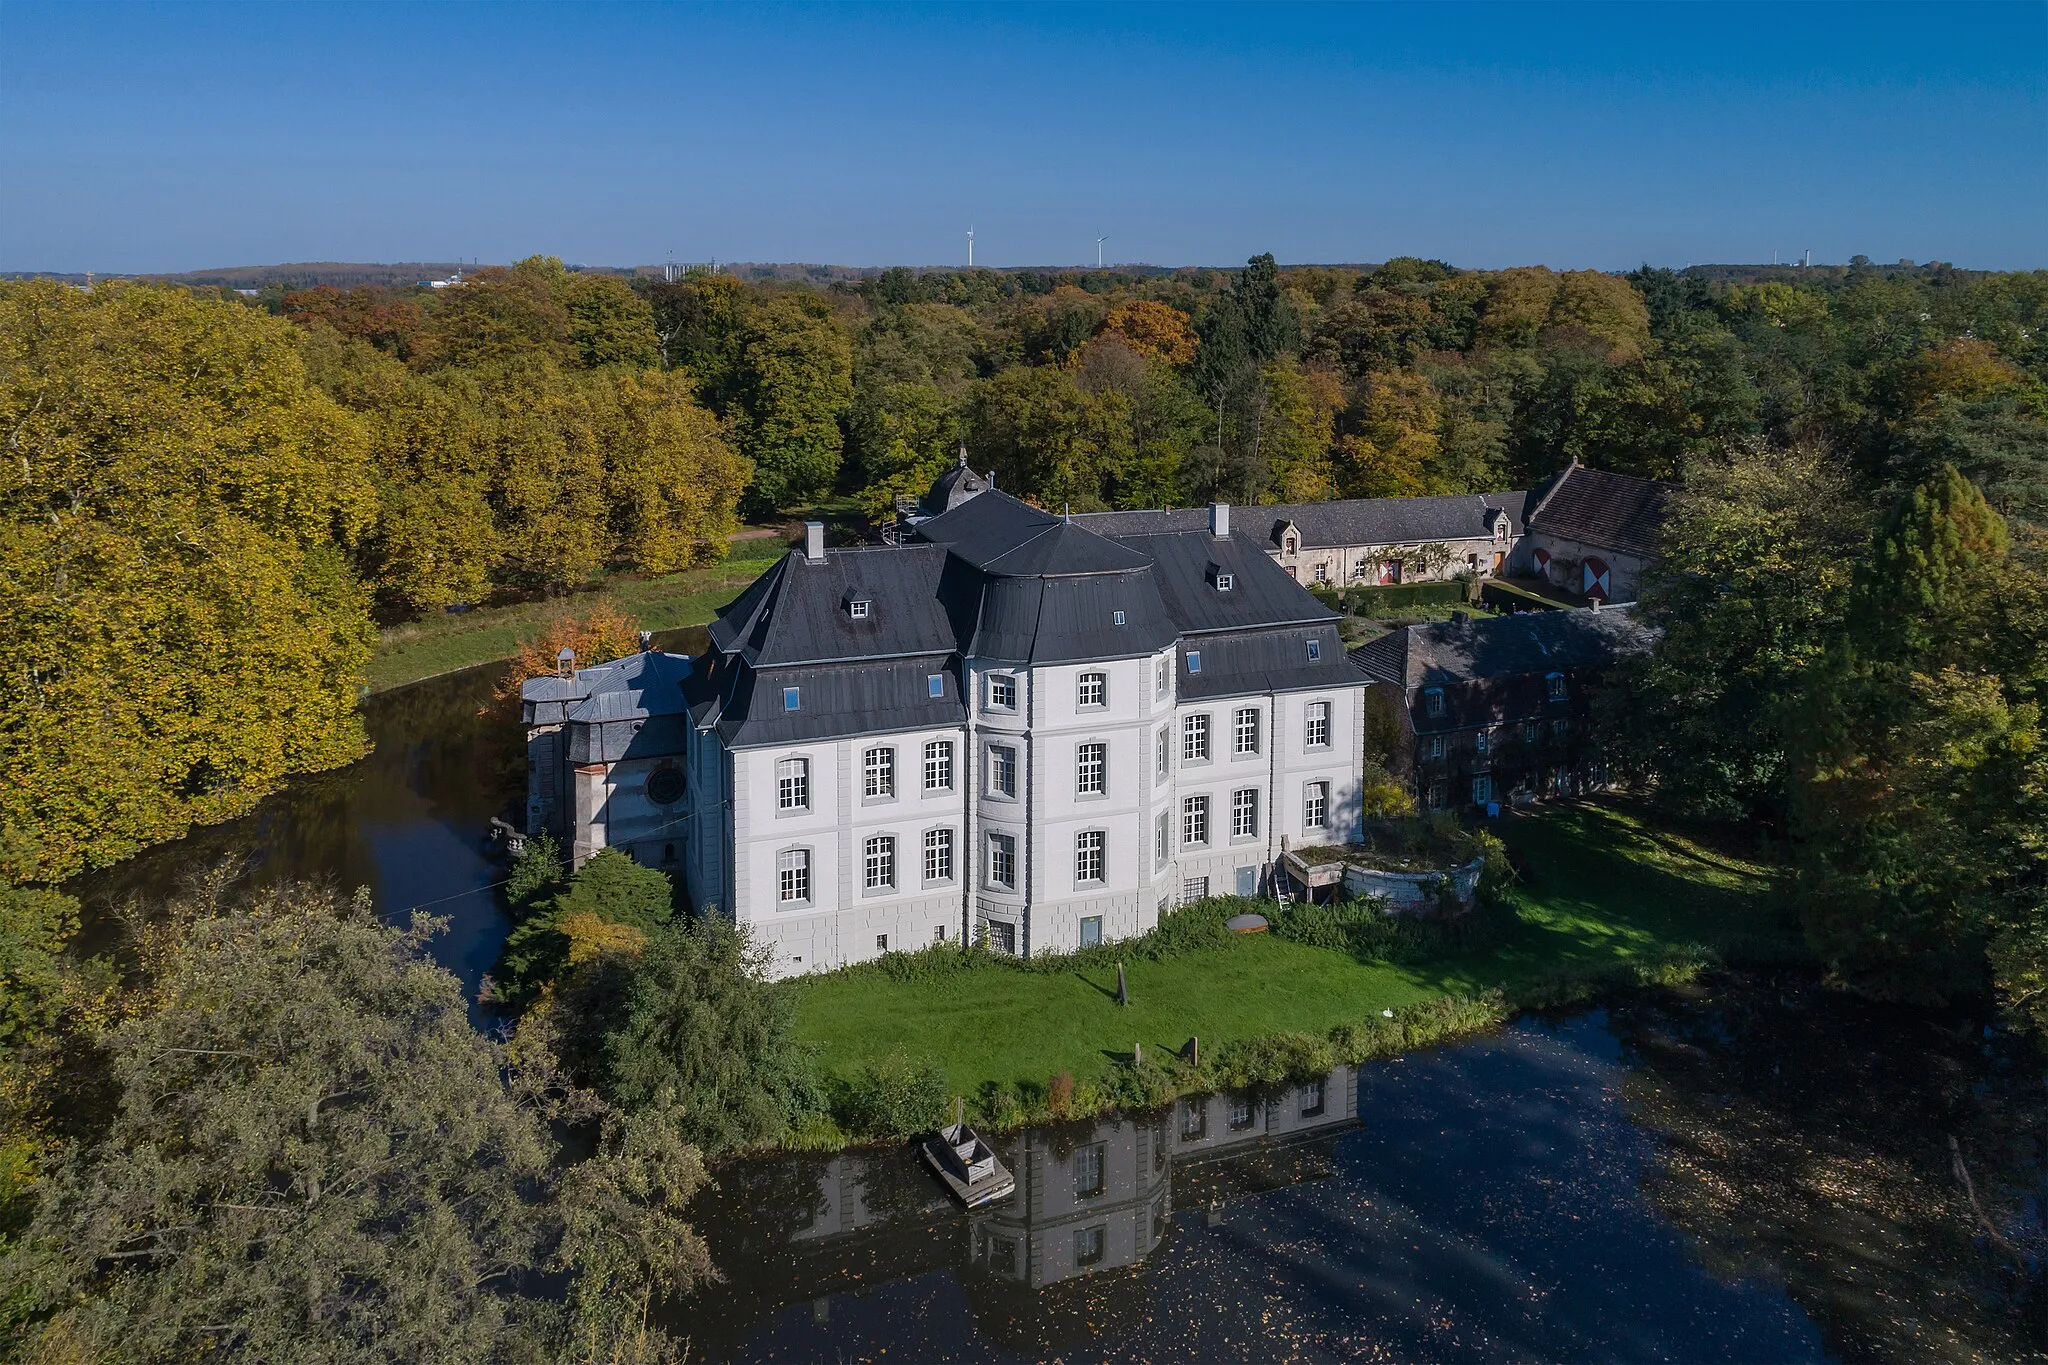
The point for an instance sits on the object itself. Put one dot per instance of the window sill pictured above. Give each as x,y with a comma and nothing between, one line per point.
1238,840
939,885
876,892
930,792
792,812
1091,796
1095,885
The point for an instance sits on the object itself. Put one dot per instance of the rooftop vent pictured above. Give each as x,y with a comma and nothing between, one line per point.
1219,518
814,541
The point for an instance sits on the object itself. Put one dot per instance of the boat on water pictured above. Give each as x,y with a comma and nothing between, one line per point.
967,1166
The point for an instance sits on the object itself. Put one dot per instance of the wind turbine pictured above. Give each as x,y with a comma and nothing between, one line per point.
970,246
1098,251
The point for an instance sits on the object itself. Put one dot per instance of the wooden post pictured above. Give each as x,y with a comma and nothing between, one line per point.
1137,1054
1192,1053
1123,994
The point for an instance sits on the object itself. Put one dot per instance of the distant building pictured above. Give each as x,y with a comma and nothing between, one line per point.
1497,708
1593,533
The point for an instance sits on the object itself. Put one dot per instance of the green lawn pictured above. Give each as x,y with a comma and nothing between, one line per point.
1602,887
444,643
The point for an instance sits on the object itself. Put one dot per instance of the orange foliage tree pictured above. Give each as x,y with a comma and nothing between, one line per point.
597,636
1157,331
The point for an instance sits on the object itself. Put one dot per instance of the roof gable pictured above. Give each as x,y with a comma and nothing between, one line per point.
1613,511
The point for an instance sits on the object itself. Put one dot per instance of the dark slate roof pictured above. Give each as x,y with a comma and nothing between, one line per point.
1616,511
1000,535
796,612
834,700
1072,618
954,487
1348,521
632,688
1446,652
1261,595
1268,660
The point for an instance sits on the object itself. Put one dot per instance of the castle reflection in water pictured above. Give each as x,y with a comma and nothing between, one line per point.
1092,1198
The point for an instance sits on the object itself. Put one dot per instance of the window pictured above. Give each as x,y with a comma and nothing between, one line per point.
1316,734
1116,618
1290,544
1555,685
1433,702
1194,821
791,698
793,875
1093,690
1002,770
938,766
1225,582
1245,732
938,857
1194,1119
1479,741
1242,1112
935,685
1194,661
1088,855
1091,766
1315,806
1162,841
1162,754
881,943
1002,861
878,773
938,933
1315,650
858,608
1436,746
1162,684
1436,796
1558,727
1002,692
1482,789
1311,1099
880,863
1322,573
1090,1245
1194,739
1089,1175
1244,813
1091,930
1000,937
793,784
1529,733
1194,889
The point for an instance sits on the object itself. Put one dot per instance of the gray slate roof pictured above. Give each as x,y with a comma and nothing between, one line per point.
796,612
1615,511
632,688
1348,521
1441,653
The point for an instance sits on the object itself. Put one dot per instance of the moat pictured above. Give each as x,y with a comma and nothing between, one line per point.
1757,1169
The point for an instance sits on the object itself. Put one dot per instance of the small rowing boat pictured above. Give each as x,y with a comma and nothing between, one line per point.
967,1165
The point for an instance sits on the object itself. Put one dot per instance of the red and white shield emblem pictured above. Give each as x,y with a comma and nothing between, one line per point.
1594,579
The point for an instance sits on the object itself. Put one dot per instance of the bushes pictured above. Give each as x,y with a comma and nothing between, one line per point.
1379,601
891,1098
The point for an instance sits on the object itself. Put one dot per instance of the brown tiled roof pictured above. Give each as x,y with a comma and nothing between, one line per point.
1614,511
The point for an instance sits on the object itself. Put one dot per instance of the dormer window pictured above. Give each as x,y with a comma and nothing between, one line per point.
1433,702
1194,661
791,698
1292,544
1225,582
935,685
1315,651
858,604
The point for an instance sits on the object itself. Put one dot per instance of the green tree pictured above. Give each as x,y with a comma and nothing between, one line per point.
795,385
608,892
671,479
180,622
608,323
312,1155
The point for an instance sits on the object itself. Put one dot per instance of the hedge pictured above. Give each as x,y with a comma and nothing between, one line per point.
1378,600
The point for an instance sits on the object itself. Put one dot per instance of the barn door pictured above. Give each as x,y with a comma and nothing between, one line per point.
1595,580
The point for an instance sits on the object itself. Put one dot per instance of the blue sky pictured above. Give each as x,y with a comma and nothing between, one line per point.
180,137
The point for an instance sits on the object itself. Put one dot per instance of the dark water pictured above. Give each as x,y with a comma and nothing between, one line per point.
1757,1171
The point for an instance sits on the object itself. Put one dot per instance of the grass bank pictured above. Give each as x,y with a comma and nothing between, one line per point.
1605,898
443,643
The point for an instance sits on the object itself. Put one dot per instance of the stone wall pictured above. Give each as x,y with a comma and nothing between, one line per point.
1414,893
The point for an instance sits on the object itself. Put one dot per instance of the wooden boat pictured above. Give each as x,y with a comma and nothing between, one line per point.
967,1166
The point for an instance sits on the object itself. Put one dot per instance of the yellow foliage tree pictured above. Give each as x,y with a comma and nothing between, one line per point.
1391,454
1157,331
1298,425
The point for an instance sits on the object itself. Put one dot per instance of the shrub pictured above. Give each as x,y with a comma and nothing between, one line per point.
896,1096
1059,1094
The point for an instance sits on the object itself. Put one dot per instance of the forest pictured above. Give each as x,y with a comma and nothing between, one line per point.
211,502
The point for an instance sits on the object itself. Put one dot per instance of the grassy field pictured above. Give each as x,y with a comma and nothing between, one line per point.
442,644
1602,887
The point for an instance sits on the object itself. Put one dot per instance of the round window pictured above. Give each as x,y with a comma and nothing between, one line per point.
665,786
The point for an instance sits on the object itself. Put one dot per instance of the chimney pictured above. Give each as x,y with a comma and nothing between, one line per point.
1596,604
1219,519
814,541
646,642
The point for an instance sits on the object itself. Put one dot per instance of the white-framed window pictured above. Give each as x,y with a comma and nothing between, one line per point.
1002,770
1162,758
1002,861
1244,813
1315,806
1433,701
1088,846
1164,682
1292,545
858,608
1162,840
1002,692
938,933
1245,731
938,765
1315,650
878,862
1091,930
1194,739
1193,889
1225,582
1554,686
1194,661
1311,1099
1092,690
792,698
1194,821
1316,733
1479,740
793,876
793,784
1243,1113
1436,746
1322,572
878,773
1091,769
935,685
1116,618
938,855
1089,1176
1482,789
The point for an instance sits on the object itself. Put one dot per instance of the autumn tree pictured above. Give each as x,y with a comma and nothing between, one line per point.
182,627
795,385
1157,331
